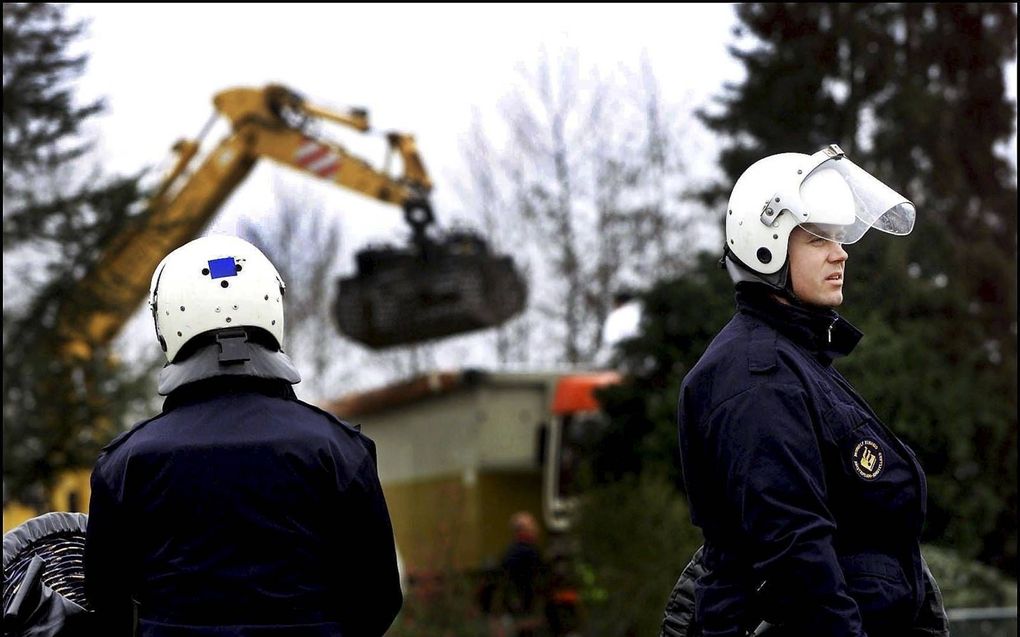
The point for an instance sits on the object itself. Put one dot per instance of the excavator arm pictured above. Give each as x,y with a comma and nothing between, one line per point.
274,123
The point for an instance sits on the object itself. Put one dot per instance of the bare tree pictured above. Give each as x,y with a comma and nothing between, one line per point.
484,190
304,241
665,220
592,169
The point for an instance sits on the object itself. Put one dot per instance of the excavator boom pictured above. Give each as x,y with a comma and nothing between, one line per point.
274,122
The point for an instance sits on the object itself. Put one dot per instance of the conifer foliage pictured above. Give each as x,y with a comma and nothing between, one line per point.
59,211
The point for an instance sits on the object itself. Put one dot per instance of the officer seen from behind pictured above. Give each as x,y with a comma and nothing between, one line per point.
239,510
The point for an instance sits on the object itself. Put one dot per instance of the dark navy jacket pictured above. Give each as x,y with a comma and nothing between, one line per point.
240,510
522,568
811,508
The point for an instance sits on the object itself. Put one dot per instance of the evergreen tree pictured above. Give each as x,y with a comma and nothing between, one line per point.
41,121
58,215
681,317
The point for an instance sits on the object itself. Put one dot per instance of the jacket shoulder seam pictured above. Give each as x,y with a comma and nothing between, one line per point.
354,429
775,385
122,437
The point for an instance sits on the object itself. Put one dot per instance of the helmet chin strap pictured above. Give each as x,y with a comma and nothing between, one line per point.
779,281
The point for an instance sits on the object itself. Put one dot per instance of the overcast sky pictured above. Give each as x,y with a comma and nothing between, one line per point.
421,69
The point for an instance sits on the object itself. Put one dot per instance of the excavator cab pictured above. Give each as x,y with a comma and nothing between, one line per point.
431,288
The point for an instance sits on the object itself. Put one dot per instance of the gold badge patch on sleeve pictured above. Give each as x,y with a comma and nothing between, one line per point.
868,459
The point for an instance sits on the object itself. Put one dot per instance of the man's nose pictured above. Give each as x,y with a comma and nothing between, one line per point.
837,253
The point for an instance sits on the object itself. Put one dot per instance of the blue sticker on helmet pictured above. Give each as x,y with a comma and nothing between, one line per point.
219,268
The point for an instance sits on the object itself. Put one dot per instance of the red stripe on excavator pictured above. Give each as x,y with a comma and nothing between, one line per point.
326,166
328,171
307,147
312,157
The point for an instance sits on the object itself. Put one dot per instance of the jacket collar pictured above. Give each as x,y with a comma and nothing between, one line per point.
821,331
203,362
209,388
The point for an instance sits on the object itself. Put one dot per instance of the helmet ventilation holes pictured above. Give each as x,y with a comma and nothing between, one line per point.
764,255
225,297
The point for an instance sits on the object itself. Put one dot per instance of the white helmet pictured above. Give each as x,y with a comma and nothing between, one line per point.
826,194
213,283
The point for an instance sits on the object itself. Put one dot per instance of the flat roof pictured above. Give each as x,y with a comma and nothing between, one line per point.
571,390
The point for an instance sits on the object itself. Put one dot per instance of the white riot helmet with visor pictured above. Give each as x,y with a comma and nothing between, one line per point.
826,194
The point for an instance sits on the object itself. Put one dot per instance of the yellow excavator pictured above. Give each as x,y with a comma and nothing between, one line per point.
431,288
437,285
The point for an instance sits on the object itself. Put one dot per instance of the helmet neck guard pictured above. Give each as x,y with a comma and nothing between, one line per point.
228,357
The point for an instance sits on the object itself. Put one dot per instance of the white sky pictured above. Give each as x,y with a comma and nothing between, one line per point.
421,69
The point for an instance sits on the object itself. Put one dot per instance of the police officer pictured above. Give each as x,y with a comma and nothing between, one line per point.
811,507
238,510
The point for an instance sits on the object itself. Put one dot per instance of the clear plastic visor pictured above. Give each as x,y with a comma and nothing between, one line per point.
844,201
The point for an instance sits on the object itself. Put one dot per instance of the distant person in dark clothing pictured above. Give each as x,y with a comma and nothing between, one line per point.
521,581
522,564
239,510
